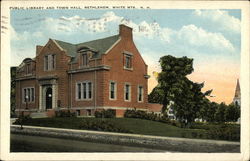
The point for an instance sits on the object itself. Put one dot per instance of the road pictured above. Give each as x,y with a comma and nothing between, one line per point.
26,143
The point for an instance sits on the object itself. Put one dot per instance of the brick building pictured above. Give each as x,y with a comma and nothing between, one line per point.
107,73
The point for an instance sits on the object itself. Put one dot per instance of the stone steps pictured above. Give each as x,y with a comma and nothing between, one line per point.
38,115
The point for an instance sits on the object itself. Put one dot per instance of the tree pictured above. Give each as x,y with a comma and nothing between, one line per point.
174,71
189,102
173,85
232,112
13,89
220,113
156,95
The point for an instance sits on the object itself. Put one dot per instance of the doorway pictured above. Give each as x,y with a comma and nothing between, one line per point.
49,98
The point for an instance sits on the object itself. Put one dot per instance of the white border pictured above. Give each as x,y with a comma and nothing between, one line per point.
5,89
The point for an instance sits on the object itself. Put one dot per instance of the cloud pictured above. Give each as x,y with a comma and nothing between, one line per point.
194,36
222,19
188,39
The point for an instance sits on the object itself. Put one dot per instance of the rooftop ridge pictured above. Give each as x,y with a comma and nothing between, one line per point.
86,41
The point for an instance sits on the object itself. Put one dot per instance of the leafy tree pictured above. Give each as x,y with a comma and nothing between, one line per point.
156,95
189,102
175,86
220,113
172,76
13,89
213,106
232,112
208,110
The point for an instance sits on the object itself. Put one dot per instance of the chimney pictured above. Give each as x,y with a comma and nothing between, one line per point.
38,49
125,31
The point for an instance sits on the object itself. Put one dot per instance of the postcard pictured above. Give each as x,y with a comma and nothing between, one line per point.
130,80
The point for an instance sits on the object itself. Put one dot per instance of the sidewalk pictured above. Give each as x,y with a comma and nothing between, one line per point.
158,142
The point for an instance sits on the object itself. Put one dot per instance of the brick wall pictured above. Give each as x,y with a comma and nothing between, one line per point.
60,70
117,73
20,103
66,83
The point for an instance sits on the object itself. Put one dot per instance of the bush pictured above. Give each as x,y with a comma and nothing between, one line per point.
141,115
151,116
102,125
224,132
23,119
105,113
65,114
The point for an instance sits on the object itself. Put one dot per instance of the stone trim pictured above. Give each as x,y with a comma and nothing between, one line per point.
106,107
113,45
26,77
88,69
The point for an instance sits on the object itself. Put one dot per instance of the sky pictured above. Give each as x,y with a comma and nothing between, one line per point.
210,37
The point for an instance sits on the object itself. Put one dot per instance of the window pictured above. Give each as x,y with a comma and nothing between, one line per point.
50,62
112,89
128,61
84,90
28,94
53,61
85,59
140,94
46,63
89,90
127,92
79,91
32,95
88,112
28,68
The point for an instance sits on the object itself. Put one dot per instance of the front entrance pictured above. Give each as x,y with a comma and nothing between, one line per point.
49,98
47,94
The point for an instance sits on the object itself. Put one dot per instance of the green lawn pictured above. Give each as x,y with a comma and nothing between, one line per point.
136,126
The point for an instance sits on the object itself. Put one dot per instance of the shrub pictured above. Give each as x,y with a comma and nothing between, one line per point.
105,113
194,134
23,119
224,132
151,116
102,125
141,115
65,114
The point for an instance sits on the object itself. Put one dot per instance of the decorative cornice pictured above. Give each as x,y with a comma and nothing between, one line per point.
88,69
26,77
47,77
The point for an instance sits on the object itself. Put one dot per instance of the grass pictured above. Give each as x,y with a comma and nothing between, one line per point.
136,126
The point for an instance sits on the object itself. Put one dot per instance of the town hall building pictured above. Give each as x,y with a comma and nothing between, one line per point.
107,73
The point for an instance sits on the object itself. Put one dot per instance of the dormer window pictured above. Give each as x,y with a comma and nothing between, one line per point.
85,59
28,68
49,62
128,60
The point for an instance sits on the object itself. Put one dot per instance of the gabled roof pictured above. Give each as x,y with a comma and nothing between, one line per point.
99,45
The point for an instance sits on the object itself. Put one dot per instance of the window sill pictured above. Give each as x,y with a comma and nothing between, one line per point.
29,102
49,70
130,69
84,99
84,66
